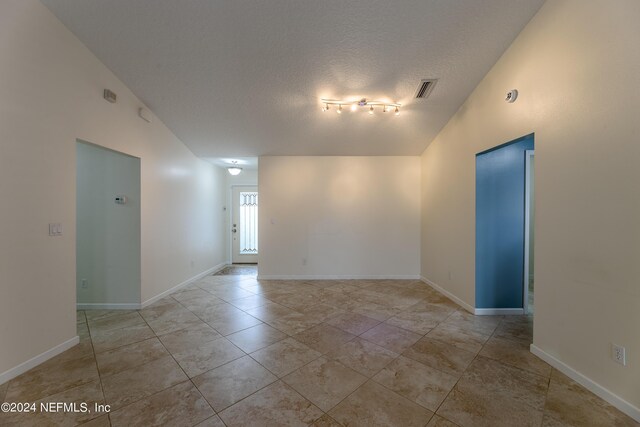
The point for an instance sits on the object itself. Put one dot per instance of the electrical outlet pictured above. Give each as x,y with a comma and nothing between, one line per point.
619,355
85,284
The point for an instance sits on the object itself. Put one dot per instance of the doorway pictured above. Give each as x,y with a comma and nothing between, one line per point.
529,228
244,224
503,227
107,228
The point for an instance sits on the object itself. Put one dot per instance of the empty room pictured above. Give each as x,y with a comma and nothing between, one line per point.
319,213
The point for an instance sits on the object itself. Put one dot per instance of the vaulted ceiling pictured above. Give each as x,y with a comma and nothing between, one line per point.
235,78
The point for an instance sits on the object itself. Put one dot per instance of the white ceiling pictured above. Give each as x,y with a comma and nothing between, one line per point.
246,163
244,78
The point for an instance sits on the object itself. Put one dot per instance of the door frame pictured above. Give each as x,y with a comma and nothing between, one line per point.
489,304
529,156
232,210
135,302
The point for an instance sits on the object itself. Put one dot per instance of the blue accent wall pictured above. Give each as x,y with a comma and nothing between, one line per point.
500,192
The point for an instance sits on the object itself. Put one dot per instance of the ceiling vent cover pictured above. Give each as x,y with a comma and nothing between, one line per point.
425,88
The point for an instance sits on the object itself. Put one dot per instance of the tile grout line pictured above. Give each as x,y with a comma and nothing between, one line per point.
167,350
478,355
156,336
226,363
371,377
402,355
462,374
281,379
78,385
324,322
95,359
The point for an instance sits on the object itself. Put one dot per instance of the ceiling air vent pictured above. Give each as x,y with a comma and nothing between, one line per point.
425,88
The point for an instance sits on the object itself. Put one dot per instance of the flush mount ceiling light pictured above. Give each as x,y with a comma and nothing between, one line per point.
235,169
354,105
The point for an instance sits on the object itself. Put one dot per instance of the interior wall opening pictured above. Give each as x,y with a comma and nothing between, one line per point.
107,228
503,226
529,240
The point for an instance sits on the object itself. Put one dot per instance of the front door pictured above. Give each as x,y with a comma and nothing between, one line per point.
244,225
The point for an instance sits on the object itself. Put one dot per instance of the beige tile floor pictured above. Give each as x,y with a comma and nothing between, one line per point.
231,350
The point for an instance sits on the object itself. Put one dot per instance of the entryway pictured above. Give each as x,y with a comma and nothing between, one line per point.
504,225
529,228
249,270
244,224
107,228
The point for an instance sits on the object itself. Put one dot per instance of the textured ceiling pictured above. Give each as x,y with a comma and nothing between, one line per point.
244,78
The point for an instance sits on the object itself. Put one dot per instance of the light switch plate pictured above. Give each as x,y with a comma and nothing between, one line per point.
55,229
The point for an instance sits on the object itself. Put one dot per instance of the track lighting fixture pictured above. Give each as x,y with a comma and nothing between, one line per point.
353,105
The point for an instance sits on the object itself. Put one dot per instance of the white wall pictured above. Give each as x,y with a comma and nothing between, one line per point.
246,177
577,67
51,95
339,217
107,234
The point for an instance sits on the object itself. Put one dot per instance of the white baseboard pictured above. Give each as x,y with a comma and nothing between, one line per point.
469,308
498,311
35,361
183,284
592,386
335,277
138,306
43,357
449,295
115,306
